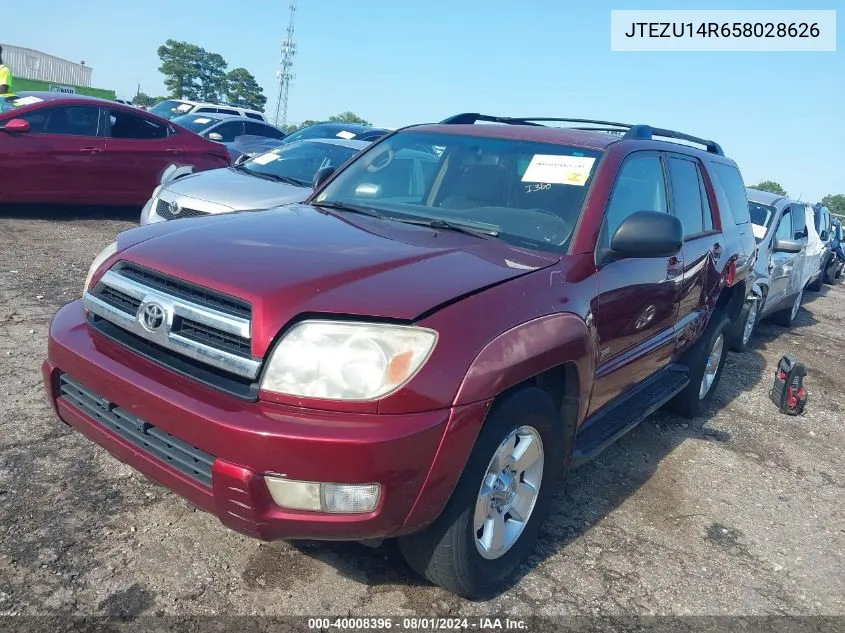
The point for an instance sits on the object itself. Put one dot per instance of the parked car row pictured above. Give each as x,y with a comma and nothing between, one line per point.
430,334
56,147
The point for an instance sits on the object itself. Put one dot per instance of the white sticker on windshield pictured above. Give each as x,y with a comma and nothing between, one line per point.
202,121
559,170
263,159
346,135
184,107
25,101
759,231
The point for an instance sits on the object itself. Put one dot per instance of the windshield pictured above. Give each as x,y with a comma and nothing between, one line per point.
525,193
170,108
761,217
195,122
320,131
298,162
7,104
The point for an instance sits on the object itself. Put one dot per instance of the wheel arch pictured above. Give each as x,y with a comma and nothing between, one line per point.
555,353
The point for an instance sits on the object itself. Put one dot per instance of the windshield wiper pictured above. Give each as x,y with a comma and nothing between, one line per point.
352,208
452,225
274,177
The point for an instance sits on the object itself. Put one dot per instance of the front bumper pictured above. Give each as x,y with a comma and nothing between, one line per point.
241,441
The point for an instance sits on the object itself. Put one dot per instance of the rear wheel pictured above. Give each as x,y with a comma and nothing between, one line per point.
490,524
739,333
705,361
817,284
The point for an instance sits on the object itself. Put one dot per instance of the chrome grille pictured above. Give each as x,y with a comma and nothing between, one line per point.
173,211
183,457
183,318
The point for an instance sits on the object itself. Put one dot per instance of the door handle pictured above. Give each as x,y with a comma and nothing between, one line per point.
92,150
174,151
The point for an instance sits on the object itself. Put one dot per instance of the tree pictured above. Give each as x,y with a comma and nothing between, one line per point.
211,71
143,99
836,203
241,87
306,123
180,65
771,186
349,117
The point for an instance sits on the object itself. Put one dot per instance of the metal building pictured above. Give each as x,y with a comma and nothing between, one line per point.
29,64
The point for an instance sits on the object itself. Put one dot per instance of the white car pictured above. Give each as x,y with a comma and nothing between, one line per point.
171,108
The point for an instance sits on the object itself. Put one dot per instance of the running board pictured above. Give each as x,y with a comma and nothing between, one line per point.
620,416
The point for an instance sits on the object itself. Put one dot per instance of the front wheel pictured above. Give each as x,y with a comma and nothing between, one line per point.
490,524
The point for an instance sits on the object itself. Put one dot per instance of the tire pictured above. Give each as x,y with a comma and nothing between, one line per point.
690,402
786,318
739,332
816,286
446,553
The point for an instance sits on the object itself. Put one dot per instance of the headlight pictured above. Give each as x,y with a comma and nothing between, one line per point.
339,360
107,252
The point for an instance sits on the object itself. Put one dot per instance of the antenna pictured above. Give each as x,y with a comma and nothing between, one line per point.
284,73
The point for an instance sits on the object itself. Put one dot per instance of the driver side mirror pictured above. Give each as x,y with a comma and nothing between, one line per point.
16,126
646,234
321,176
214,136
786,246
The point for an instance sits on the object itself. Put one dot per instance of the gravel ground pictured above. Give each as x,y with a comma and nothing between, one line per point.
740,512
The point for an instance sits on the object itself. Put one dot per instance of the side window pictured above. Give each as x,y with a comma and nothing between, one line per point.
799,222
686,195
227,111
640,186
733,188
229,131
259,129
784,231
207,110
126,125
65,121
253,115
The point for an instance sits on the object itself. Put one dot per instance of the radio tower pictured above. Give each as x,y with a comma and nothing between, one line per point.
284,74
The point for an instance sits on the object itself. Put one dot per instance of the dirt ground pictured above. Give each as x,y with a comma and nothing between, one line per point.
740,512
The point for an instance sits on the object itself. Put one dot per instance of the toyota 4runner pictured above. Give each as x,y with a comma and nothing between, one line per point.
411,353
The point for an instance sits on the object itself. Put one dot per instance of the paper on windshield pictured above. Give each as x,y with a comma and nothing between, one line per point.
559,170
184,107
263,159
202,121
345,135
759,231
25,101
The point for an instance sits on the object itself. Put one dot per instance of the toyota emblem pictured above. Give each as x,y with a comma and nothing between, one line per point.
151,316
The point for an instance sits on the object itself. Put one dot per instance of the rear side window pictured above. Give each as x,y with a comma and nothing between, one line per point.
799,222
728,182
259,129
127,125
687,196
253,115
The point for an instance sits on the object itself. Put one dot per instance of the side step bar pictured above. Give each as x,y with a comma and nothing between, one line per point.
620,416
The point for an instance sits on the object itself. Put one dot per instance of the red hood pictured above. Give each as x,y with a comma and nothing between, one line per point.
296,260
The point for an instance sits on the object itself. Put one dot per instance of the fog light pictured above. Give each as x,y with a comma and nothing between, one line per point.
323,497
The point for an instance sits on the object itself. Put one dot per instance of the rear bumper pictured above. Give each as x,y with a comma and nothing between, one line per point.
245,440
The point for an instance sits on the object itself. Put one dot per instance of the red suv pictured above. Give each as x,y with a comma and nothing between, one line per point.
423,347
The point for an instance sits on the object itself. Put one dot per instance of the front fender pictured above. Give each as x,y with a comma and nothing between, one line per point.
530,349
511,358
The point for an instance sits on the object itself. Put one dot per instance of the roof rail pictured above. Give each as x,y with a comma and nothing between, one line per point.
628,130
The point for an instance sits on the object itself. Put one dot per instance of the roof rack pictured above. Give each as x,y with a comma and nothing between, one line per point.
628,130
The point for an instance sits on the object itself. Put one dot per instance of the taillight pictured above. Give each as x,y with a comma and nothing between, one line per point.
730,276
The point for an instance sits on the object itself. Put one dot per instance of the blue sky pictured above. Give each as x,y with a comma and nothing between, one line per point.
781,116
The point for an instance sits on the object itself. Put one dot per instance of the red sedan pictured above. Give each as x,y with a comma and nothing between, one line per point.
57,148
